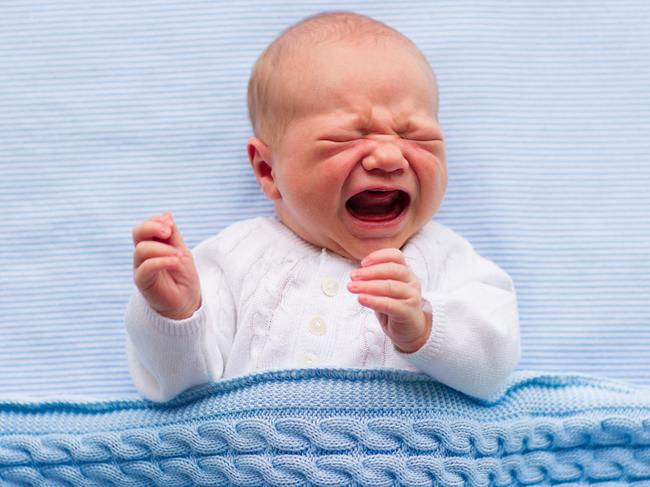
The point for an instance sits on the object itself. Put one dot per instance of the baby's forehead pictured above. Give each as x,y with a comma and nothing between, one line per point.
337,58
338,53
316,81
305,48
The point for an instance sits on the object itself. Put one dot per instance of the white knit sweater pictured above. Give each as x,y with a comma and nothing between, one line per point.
270,300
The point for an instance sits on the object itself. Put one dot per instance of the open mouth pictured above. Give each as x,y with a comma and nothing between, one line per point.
378,205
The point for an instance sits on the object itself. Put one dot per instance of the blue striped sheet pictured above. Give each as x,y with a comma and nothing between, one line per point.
113,111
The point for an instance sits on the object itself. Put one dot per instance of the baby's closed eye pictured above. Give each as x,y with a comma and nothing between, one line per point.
340,138
422,136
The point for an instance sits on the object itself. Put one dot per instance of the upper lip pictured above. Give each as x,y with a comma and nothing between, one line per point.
376,187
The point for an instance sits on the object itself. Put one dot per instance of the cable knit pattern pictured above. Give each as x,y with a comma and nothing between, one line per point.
333,427
273,301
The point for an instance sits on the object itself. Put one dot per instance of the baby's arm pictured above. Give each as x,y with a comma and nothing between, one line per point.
470,335
172,341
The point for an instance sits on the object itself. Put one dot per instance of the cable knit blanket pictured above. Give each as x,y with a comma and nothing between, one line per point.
332,427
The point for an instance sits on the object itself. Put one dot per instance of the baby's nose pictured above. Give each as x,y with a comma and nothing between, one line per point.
386,156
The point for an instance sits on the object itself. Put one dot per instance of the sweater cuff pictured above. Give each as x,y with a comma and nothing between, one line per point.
166,326
427,353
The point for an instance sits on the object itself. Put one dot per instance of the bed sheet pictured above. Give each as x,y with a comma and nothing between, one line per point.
113,111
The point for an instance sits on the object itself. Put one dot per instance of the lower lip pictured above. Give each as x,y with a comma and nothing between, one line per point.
375,229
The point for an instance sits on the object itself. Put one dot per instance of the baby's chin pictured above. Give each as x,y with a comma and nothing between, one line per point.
342,242
358,249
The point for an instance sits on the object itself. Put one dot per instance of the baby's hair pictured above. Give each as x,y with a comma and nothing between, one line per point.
264,98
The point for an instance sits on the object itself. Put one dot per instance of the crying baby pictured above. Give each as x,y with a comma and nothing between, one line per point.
351,271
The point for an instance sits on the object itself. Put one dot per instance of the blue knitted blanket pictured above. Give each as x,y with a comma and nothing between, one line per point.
332,427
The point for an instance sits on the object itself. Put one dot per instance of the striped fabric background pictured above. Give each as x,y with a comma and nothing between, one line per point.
111,111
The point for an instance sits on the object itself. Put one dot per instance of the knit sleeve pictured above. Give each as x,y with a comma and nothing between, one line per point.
474,341
168,356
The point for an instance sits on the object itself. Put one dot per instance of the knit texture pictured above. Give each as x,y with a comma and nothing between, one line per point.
332,427
263,288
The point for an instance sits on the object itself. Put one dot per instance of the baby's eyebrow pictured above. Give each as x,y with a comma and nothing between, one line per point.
408,124
367,121
364,120
350,119
403,123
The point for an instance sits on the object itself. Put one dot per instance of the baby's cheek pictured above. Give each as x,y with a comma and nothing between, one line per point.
332,174
310,196
424,158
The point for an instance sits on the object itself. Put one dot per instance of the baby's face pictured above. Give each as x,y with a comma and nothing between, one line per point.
361,164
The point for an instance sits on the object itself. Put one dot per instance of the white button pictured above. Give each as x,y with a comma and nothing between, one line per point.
309,358
329,286
317,326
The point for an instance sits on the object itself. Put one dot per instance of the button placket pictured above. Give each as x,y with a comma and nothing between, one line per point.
318,328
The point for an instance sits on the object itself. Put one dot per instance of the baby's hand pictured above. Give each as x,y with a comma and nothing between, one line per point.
387,285
163,268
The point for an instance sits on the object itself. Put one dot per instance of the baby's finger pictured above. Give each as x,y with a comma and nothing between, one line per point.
385,270
385,287
147,272
162,217
383,255
149,249
151,229
398,309
176,239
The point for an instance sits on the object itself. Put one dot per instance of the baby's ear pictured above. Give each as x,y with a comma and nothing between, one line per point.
261,159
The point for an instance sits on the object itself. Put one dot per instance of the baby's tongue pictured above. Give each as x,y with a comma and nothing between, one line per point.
373,203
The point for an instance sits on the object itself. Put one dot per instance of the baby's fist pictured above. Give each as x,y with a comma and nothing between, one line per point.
163,268
387,285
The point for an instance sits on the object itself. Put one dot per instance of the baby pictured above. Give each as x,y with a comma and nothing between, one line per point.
352,271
